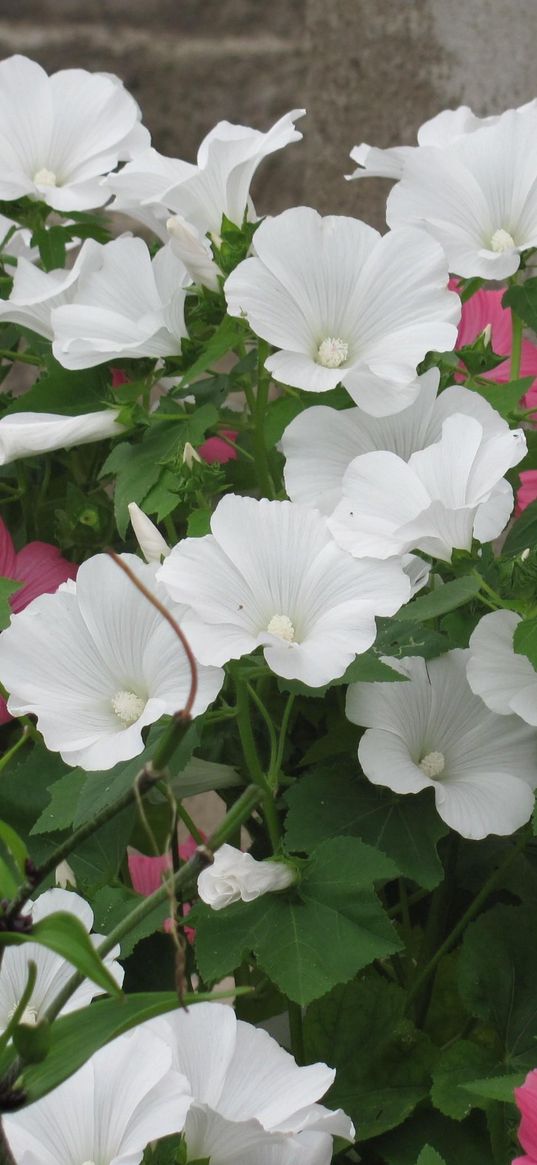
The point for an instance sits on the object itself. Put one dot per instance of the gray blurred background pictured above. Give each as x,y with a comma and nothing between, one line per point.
366,70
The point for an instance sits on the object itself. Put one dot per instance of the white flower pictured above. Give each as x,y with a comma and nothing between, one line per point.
140,186
153,546
194,250
126,1096
444,496
505,680
97,663
432,732
344,304
60,134
477,197
235,876
129,305
321,442
270,575
440,131
53,972
24,434
35,292
252,1104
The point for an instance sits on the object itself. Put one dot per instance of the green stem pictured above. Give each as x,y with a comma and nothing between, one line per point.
20,357
516,345
473,909
238,814
266,717
296,1031
253,764
152,772
266,484
11,752
276,762
190,824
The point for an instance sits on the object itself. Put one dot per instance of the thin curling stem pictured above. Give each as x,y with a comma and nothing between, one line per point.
186,712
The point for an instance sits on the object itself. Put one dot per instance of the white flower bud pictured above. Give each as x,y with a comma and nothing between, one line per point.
189,245
64,876
150,540
236,876
190,455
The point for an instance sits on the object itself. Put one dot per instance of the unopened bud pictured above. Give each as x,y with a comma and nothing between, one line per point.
525,554
190,455
486,336
64,876
153,546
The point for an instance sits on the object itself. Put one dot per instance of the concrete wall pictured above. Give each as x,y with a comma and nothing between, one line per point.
368,70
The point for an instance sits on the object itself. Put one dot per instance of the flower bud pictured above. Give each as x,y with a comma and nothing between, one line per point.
64,876
150,540
193,249
235,876
190,455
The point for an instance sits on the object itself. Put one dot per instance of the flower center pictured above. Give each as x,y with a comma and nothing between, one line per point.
127,706
281,626
502,241
433,764
332,352
45,177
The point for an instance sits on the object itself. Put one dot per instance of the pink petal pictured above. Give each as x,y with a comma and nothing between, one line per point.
146,872
526,1099
215,450
41,568
527,491
8,557
5,717
118,377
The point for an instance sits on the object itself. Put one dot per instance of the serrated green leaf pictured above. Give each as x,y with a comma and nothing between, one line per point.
500,1088
60,390
505,397
64,934
401,639
382,1061
446,598
334,801
522,298
223,340
61,810
457,1142
455,1066
112,903
312,937
429,1156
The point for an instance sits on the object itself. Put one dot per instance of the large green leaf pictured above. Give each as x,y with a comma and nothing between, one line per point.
499,1088
457,1143
445,598
522,298
382,1061
64,797
68,393
311,937
497,979
333,801
64,934
112,903
456,1065
429,1156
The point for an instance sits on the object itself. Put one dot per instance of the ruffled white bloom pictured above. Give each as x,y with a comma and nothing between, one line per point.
126,1096
53,972
505,680
128,305
153,546
35,293
252,1104
321,442
140,187
477,197
440,131
270,575
60,134
97,663
235,876
25,434
345,305
434,733
439,500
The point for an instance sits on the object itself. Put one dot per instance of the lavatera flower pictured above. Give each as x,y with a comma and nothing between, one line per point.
433,733
97,663
237,877
344,304
270,575
126,1096
252,1104
505,680
443,497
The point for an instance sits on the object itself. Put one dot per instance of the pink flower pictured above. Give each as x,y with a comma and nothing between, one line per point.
40,567
215,450
527,492
526,1098
482,309
146,874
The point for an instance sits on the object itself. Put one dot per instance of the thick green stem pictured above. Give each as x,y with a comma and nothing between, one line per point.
516,345
266,484
253,764
20,357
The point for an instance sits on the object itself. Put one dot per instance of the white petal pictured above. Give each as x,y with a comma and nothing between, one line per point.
25,434
505,680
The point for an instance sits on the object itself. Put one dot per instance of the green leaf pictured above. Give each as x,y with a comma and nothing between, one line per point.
320,933
446,598
64,934
497,978
74,1038
523,533
522,298
223,340
332,802
32,1043
457,1143
8,881
500,1088
64,796
382,1061
504,398
51,244
367,668
456,1065
525,640
112,903
429,1156
199,523
69,393
278,416
409,638
14,844
8,587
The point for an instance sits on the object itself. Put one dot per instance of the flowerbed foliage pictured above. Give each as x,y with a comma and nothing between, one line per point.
270,530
